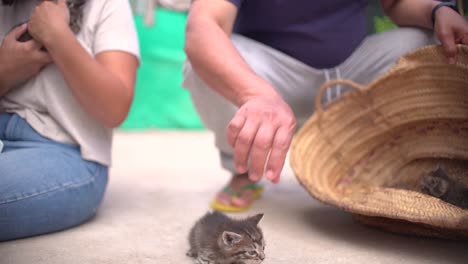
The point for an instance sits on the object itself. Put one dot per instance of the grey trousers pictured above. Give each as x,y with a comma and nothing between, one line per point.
297,82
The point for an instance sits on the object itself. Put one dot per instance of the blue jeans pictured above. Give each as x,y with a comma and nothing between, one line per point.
45,186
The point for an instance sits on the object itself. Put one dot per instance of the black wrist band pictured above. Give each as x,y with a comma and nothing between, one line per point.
439,5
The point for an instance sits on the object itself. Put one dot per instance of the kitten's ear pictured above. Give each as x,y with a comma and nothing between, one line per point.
231,238
441,166
256,219
440,170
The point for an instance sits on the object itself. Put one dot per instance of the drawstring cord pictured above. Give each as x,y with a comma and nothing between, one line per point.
338,77
337,90
327,79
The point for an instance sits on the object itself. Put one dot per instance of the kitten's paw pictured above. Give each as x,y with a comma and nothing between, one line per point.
191,253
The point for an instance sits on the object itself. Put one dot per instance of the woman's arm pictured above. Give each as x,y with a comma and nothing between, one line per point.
103,85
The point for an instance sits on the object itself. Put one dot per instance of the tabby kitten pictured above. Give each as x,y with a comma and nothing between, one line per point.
76,16
219,239
438,184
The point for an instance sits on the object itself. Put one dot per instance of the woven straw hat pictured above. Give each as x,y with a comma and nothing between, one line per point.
366,152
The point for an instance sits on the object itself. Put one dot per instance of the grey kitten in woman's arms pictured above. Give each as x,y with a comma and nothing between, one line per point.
76,16
219,239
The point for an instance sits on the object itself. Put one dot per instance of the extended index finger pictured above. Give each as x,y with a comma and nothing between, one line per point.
234,127
243,144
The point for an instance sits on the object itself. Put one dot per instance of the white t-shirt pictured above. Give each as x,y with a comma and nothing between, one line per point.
46,102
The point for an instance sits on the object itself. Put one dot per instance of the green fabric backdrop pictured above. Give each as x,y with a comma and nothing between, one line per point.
160,101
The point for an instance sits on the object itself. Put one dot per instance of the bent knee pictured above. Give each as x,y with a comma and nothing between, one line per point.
409,39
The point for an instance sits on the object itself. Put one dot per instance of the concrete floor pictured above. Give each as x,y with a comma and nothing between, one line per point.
163,181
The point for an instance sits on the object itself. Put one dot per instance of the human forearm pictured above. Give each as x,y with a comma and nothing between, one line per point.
99,92
410,12
219,64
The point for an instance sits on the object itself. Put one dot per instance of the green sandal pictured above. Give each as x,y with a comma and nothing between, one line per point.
235,209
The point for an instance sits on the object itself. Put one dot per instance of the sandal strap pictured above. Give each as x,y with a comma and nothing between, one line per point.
250,186
229,191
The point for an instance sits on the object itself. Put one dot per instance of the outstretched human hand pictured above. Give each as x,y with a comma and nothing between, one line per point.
261,133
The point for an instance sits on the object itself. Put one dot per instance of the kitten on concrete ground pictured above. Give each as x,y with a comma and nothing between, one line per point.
218,239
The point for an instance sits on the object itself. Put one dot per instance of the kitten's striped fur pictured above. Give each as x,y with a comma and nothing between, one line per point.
440,185
219,239
76,16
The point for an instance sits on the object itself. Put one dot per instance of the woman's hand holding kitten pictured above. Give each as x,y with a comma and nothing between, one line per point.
19,61
49,22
